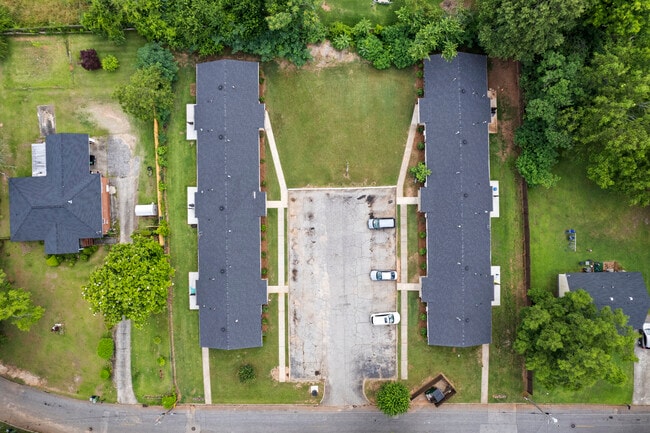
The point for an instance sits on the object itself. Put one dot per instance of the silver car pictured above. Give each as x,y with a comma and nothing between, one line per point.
381,223
383,275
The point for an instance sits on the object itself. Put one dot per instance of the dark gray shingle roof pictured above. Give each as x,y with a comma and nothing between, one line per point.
229,204
62,207
624,290
457,201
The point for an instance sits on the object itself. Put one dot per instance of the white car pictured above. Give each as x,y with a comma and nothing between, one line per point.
391,318
381,223
383,275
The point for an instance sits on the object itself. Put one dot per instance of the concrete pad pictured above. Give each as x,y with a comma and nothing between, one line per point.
331,296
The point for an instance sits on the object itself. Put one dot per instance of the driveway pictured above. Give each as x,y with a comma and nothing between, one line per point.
331,296
642,375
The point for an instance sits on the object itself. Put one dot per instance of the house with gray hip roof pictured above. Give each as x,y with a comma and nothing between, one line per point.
624,290
63,203
457,201
226,204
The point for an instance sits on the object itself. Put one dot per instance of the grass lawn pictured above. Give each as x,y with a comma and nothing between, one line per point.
350,113
604,224
224,366
50,12
151,360
351,11
68,362
462,366
506,367
181,173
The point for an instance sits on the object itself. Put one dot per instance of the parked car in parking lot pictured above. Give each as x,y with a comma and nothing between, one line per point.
391,318
381,223
644,340
383,275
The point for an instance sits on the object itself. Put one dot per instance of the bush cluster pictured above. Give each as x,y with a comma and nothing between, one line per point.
393,398
110,63
105,348
246,373
90,60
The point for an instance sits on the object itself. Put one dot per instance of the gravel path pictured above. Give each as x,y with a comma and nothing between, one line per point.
122,170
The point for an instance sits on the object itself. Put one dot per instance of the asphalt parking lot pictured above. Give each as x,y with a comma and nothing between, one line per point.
331,296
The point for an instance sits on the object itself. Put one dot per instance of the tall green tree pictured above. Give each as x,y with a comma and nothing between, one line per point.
571,344
521,29
16,306
612,124
148,95
132,282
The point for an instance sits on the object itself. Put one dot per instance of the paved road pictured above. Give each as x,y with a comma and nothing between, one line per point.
48,413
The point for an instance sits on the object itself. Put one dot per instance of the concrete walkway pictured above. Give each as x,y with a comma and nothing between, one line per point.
485,372
122,373
207,384
281,289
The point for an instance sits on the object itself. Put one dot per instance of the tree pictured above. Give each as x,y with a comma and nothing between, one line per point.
107,18
613,122
393,398
16,306
569,343
521,29
154,54
132,282
148,95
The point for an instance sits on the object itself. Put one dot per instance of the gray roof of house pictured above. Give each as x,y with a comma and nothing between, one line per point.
65,205
624,290
457,201
229,204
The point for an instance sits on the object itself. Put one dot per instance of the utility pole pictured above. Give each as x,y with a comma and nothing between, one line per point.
548,416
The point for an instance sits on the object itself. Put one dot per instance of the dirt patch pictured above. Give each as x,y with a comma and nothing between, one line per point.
503,77
326,7
25,376
325,55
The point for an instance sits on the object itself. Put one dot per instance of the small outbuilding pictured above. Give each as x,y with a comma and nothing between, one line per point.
146,210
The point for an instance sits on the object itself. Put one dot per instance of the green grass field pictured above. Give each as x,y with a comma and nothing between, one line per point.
507,252
68,362
346,114
351,11
181,173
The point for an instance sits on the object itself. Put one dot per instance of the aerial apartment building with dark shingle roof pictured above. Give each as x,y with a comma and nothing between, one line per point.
228,204
457,201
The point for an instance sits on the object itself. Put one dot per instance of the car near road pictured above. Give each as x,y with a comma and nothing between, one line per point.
644,340
390,318
381,223
383,275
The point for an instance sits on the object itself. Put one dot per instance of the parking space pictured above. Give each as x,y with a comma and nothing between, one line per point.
642,375
331,296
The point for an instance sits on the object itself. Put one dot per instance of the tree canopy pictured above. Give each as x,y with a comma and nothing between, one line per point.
16,306
569,343
521,29
132,282
393,398
148,95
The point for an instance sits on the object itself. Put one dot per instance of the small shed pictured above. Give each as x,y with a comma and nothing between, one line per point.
146,210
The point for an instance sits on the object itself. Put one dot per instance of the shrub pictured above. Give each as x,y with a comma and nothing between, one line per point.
264,272
423,317
83,257
105,348
423,266
393,398
423,235
89,60
421,145
265,308
263,254
420,129
419,73
423,251
157,339
154,54
263,228
161,361
110,63
423,332
261,99
420,172
342,42
52,261
420,92
263,183
246,373
105,373
163,228
169,401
